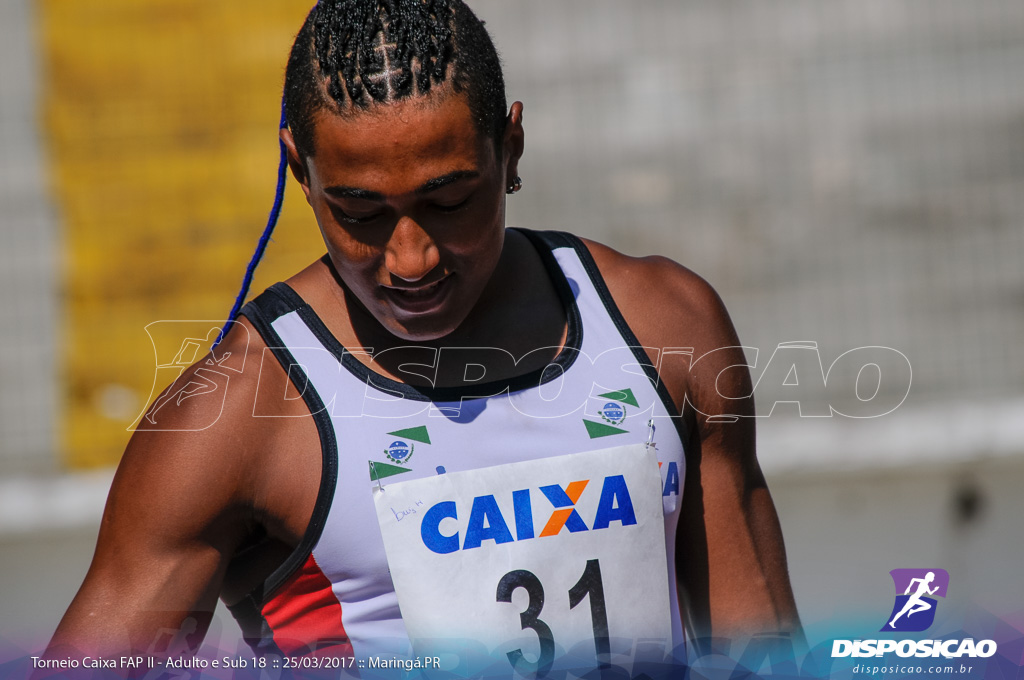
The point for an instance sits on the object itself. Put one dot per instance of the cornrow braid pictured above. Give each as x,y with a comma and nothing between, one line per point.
386,52
352,53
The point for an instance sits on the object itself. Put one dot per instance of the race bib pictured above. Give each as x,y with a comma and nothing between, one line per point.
533,559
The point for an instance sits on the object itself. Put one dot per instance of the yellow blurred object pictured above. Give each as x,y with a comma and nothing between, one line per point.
161,118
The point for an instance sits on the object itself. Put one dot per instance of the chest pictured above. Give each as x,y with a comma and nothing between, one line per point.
383,438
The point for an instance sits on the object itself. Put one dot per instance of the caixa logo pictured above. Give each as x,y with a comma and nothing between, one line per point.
488,523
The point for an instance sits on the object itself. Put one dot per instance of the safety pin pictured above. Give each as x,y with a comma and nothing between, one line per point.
650,434
373,466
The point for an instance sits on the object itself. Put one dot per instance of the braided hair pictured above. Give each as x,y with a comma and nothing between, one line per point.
352,53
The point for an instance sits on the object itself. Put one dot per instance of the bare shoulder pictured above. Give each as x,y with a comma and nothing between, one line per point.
188,466
669,306
210,406
662,299
217,438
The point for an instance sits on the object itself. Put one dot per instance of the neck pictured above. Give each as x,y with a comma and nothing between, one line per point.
519,314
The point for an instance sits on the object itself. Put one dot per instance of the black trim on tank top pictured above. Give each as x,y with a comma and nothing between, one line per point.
247,612
590,266
563,360
270,305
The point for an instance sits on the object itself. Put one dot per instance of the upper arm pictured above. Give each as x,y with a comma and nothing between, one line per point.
177,510
730,559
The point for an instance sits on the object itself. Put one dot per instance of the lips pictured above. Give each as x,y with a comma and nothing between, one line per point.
419,299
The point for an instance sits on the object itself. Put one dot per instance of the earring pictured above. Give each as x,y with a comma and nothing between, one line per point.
516,185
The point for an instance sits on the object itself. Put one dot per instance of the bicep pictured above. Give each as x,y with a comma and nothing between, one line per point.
731,561
173,519
731,555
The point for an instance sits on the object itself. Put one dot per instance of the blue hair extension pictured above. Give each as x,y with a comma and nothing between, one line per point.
261,247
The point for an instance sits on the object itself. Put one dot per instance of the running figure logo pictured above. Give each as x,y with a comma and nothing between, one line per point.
914,610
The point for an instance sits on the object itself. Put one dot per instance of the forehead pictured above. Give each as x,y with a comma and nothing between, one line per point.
396,147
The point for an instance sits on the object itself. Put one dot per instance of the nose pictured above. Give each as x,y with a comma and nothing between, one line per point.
411,253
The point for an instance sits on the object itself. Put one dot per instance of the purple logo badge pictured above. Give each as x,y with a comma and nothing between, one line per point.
916,589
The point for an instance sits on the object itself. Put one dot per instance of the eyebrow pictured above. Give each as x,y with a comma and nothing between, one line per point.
445,180
428,186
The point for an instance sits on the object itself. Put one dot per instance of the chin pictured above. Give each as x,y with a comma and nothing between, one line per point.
427,326
425,332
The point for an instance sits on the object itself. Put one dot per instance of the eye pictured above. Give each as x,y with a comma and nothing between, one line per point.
451,206
355,216
342,216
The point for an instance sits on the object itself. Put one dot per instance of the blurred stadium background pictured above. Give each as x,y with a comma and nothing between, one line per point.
848,173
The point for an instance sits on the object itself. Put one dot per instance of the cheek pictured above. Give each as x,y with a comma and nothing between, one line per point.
342,243
482,244
483,224
355,262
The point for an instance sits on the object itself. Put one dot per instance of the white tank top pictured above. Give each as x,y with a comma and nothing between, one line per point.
334,594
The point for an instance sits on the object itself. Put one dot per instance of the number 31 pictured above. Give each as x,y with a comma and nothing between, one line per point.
589,583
